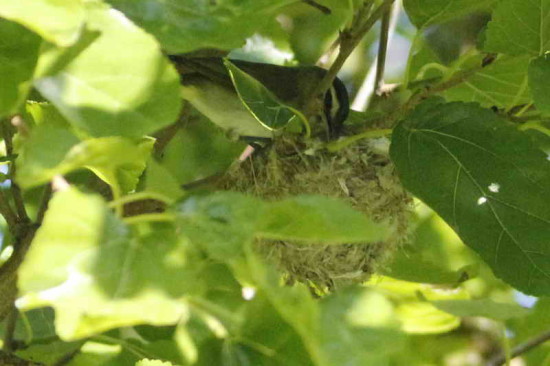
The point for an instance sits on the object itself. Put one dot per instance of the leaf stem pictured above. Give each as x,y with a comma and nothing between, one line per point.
318,6
521,348
153,217
342,143
534,126
141,353
456,79
140,196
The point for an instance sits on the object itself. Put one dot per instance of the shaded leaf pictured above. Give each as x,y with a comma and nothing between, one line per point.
116,84
358,324
59,22
183,27
487,181
539,74
18,56
319,219
198,151
502,84
483,307
519,27
427,12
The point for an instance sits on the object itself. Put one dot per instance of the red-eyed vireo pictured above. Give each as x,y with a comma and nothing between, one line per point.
207,85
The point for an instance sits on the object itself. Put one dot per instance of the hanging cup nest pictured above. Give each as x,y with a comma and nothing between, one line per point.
359,175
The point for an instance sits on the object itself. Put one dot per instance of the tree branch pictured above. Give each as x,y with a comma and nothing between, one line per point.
521,348
11,320
7,131
350,38
7,212
46,196
382,51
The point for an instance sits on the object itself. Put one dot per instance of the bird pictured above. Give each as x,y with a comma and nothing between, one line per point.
206,83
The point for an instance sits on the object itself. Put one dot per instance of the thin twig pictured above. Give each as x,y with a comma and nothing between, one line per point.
9,331
318,6
390,120
7,131
382,51
66,358
350,38
457,79
46,196
521,348
368,86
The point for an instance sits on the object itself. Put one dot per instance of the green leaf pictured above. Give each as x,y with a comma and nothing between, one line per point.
487,181
199,150
319,219
200,23
502,84
359,325
116,84
424,13
85,264
44,113
418,316
483,307
51,151
159,180
259,101
59,22
18,56
539,74
526,328
49,353
42,153
73,224
122,265
519,27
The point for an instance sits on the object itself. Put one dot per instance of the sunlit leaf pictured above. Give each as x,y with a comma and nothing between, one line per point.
114,82
51,151
58,22
147,362
72,267
259,101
